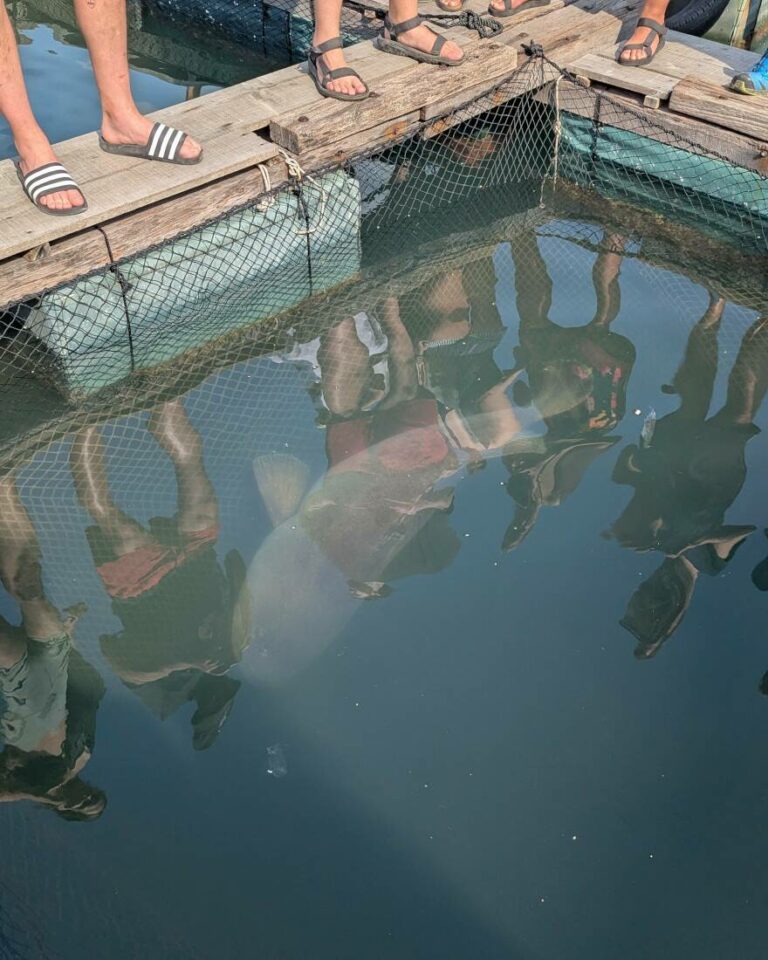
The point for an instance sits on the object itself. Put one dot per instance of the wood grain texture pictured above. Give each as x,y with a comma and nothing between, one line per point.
485,64
134,232
643,80
115,185
733,111
65,260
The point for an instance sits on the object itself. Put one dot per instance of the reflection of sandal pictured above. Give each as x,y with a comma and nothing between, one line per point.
322,75
647,45
509,11
390,44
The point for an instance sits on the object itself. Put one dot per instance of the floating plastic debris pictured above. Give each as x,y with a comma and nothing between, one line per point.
276,765
649,425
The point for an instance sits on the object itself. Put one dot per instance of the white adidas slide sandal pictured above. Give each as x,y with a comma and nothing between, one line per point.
48,179
164,144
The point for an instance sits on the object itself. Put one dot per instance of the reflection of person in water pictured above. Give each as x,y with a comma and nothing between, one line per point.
455,326
178,611
685,476
50,694
575,376
760,573
376,514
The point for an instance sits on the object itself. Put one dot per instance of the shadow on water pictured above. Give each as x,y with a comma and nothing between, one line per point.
195,567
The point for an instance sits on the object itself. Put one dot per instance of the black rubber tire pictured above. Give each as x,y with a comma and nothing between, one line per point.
694,16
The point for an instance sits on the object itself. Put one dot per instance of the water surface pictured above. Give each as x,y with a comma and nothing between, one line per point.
430,627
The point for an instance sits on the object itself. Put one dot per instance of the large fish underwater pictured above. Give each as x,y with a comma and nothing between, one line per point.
337,543
380,514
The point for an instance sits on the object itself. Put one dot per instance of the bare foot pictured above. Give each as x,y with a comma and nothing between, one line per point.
422,38
136,129
38,156
332,60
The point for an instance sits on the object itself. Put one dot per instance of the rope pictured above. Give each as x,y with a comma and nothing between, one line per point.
266,202
297,174
124,288
486,26
295,169
558,131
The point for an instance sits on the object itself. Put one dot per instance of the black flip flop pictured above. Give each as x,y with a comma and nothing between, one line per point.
43,181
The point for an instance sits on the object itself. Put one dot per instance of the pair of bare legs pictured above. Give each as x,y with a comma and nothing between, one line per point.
21,576
104,26
328,26
173,431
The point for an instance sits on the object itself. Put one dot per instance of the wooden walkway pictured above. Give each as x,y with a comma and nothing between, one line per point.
134,204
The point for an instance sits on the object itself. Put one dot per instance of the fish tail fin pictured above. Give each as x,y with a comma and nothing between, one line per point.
283,481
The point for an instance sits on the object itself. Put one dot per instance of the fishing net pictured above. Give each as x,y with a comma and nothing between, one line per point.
538,142
465,283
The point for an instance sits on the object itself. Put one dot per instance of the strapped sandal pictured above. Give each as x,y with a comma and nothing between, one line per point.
510,11
647,45
45,180
322,75
390,44
164,144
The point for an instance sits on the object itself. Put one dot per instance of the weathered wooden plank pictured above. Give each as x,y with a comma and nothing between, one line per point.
565,34
734,111
63,261
486,64
134,232
643,80
381,135
116,185
82,253
569,33
683,56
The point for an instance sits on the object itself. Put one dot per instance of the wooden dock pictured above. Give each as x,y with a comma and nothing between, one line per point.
249,128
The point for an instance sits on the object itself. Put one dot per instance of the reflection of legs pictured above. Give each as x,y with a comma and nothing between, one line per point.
345,370
480,284
498,422
605,277
92,485
446,304
533,285
21,574
402,356
171,427
695,378
748,382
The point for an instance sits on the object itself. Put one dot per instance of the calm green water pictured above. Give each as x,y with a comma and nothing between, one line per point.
432,627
